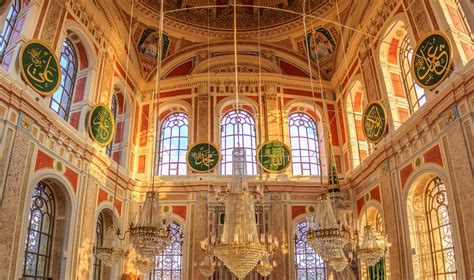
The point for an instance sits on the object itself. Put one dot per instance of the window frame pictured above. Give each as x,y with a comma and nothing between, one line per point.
301,230
177,241
42,196
69,53
237,135
9,27
307,120
180,163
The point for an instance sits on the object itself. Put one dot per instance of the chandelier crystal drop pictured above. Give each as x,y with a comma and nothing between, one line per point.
325,235
111,251
207,266
337,260
145,265
264,267
239,247
372,247
150,235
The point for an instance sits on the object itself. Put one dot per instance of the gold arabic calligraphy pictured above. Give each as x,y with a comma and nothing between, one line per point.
39,70
431,60
203,157
276,156
374,123
102,124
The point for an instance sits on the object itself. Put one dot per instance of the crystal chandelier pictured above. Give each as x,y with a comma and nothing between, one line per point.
239,247
338,260
111,251
150,235
145,265
325,235
372,247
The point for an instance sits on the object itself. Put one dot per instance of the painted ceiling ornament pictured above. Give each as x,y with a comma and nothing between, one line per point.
273,156
432,60
148,48
40,67
374,122
203,157
320,44
101,125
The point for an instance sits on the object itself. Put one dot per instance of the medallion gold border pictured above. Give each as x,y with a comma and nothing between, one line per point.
268,170
418,45
89,120
29,42
206,143
384,126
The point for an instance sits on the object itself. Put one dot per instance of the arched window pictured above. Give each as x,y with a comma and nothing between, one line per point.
39,237
238,129
173,145
415,94
99,237
169,264
113,108
61,99
308,264
440,230
431,231
8,26
304,144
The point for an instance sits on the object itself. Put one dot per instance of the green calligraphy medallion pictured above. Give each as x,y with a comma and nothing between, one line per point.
374,122
101,125
273,156
40,67
202,157
431,60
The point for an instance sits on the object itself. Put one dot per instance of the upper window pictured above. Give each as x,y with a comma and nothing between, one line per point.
415,94
173,145
39,237
304,144
169,264
113,108
61,99
440,230
99,237
308,264
8,26
238,130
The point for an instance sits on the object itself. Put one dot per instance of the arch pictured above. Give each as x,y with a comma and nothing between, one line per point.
86,73
63,231
105,219
395,54
436,248
355,102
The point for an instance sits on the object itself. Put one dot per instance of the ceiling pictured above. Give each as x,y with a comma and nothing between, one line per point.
220,15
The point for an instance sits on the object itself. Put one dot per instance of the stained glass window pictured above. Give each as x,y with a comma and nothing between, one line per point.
440,230
8,26
169,265
238,129
113,108
61,99
304,144
309,266
39,237
173,145
415,94
99,237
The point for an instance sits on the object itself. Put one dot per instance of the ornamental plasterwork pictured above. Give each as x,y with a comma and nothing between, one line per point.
150,16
